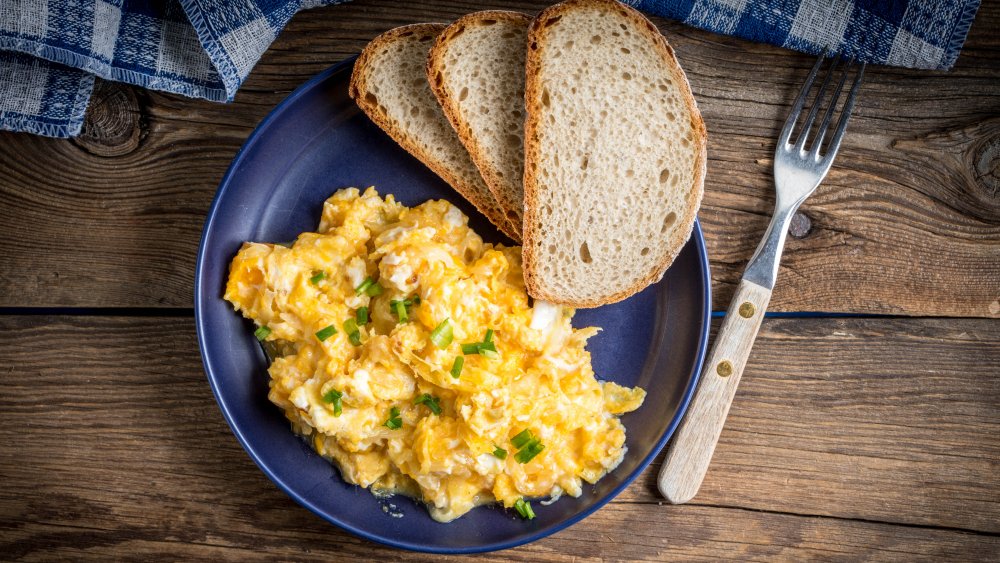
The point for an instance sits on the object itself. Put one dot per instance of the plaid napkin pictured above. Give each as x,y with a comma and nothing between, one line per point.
51,50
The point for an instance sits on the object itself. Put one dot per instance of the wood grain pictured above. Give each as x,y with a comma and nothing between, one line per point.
690,452
908,221
860,439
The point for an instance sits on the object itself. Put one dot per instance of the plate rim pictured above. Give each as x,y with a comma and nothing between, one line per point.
259,131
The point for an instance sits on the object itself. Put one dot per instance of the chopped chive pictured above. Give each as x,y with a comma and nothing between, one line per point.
523,508
442,334
456,368
499,452
400,309
522,438
361,316
489,336
317,277
353,334
394,422
365,285
262,333
528,452
334,396
374,290
431,402
325,333
470,348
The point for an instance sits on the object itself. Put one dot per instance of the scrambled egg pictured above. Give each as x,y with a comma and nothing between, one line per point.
413,394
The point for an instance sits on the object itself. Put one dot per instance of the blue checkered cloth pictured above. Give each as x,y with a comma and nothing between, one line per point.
51,50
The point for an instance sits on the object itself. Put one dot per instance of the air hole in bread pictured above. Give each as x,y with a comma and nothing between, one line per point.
585,254
664,175
438,79
584,163
552,249
406,34
623,26
671,116
626,50
415,111
595,40
552,21
627,75
568,44
668,221
629,173
426,38
513,141
546,100
463,94
371,98
508,35
488,22
644,251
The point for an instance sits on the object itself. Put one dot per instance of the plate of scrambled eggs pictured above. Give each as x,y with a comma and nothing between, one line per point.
369,339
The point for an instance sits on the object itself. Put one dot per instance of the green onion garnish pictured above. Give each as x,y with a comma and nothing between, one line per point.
333,396
394,422
369,288
456,368
523,508
442,335
353,334
399,308
431,402
488,349
325,333
499,452
471,348
522,438
262,333
363,288
317,277
528,452
489,336
361,316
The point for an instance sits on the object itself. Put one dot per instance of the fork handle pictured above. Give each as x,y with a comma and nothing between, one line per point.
687,460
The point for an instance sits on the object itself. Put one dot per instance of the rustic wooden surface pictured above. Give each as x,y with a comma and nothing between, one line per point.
908,221
850,438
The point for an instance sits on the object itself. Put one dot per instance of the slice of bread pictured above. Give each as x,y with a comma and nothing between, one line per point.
614,154
390,85
476,69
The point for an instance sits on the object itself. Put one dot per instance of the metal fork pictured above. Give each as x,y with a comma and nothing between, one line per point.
799,167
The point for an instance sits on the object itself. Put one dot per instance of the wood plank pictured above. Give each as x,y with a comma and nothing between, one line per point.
910,212
111,445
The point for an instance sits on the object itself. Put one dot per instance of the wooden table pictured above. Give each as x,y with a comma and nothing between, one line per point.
869,430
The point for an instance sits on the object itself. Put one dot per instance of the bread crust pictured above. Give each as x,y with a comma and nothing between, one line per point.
513,211
358,88
534,280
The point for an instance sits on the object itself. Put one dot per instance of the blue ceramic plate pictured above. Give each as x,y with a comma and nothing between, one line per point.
317,141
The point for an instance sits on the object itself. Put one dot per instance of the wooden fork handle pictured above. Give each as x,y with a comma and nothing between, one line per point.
691,450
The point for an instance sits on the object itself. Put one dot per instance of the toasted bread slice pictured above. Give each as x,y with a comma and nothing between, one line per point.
614,154
389,83
476,69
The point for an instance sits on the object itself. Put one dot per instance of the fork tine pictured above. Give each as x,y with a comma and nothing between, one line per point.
817,101
845,115
821,132
793,116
